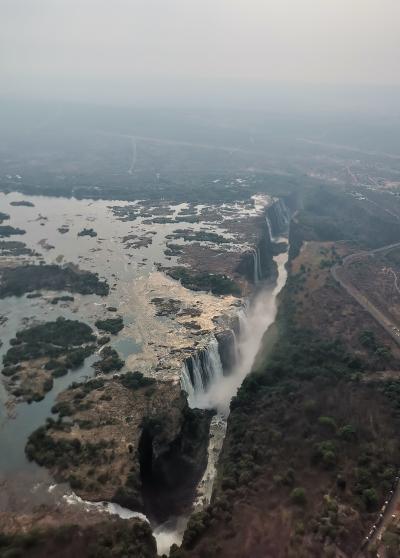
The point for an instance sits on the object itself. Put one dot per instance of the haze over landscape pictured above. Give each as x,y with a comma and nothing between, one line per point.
199,279
202,53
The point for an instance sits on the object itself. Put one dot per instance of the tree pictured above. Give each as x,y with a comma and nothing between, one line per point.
370,499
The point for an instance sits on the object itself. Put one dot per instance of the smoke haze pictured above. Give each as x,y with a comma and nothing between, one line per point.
180,52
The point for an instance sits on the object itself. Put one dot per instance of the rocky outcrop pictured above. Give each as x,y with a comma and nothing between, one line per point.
129,440
171,471
245,267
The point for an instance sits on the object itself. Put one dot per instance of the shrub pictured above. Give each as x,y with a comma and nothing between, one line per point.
348,433
136,380
110,325
370,499
328,423
298,496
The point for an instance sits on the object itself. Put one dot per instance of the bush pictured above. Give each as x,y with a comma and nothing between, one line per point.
136,380
298,496
110,325
367,339
348,433
370,499
328,423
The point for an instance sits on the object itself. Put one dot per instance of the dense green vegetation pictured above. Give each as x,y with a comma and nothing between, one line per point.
7,230
15,281
173,249
290,418
136,380
49,339
64,344
109,362
179,186
216,283
47,451
107,539
22,203
334,214
199,236
110,325
87,232
63,298
14,248
87,387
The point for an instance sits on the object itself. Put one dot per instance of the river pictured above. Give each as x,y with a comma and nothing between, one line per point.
131,274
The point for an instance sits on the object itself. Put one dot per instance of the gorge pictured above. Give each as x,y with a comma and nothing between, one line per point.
204,342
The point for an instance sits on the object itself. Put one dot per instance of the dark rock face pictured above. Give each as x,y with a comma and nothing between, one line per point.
245,267
265,256
226,349
170,472
279,216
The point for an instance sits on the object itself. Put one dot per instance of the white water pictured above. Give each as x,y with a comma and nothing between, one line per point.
254,320
166,534
207,373
258,275
106,507
258,317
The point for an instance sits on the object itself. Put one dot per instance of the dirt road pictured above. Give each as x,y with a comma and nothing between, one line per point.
339,274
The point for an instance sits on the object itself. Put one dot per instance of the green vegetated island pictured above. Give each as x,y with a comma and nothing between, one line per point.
216,283
18,280
8,230
43,352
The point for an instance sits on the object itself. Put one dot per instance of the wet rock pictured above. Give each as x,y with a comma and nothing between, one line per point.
226,349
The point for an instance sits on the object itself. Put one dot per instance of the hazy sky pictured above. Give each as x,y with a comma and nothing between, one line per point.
116,49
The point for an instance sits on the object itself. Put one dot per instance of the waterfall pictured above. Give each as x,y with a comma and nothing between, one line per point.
256,275
260,274
283,213
271,236
254,319
235,345
200,372
279,218
242,320
257,266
